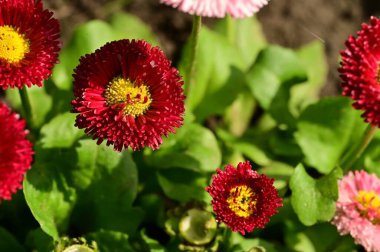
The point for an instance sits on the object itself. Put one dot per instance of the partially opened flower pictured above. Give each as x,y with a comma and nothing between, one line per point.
360,71
15,152
218,8
128,94
358,209
29,43
243,199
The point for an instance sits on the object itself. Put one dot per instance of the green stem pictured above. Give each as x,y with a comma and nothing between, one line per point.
26,106
197,22
357,151
231,30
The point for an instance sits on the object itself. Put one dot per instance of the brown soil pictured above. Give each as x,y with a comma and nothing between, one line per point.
289,23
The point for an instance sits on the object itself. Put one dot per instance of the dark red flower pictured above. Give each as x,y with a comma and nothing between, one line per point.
243,199
360,71
29,43
127,93
15,152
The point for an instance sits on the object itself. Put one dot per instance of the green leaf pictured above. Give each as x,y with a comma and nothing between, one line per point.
91,36
219,75
132,27
281,172
192,147
246,34
270,78
324,130
86,39
313,58
238,116
48,195
60,132
183,185
153,245
38,240
8,242
40,102
64,183
111,241
314,199
112,201
240,243
249,147
319,238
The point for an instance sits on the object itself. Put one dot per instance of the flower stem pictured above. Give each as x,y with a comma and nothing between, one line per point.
194,37
231,29
26,106
357,151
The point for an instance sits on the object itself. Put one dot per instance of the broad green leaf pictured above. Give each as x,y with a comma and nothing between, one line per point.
313,58
240,243
324,130
270,78
38,240
281,172
91,36
319,238
40,102
192,147
282,143
312,199
246,34
153,245
60,132
49,197
85,39
247,146
238,116
8,242
132,27
111,202
218,75
111,241
64,183
183,185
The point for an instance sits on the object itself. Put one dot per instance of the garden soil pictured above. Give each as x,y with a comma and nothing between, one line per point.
290,23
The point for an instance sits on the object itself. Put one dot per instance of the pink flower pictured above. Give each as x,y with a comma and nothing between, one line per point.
358,209
218,8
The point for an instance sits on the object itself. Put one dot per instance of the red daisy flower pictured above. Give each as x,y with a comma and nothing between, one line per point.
127,93
243,199
360,71
29,43
15,152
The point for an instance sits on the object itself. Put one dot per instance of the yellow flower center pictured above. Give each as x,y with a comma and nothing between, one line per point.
13,45
241,201
134,99
370,201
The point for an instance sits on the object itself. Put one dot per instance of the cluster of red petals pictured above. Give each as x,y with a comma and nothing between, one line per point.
266,196
359,71
141,64
15,152
42,32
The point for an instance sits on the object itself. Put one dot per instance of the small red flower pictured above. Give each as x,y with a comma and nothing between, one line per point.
127,93
243,199
29,43
360,71
15,152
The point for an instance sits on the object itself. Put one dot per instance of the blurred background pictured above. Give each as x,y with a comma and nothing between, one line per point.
290,23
